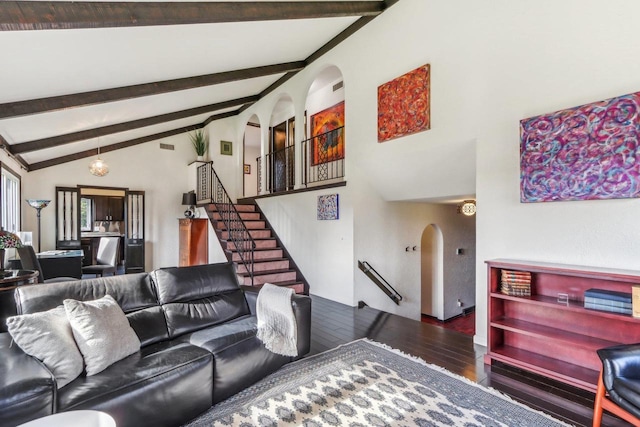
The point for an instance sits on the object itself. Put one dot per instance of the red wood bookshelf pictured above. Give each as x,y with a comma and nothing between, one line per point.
556,339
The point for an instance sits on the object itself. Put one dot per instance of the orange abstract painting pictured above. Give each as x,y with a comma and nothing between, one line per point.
404,105
327,132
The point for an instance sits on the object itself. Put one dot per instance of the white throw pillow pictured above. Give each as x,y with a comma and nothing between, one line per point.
47,336
102,332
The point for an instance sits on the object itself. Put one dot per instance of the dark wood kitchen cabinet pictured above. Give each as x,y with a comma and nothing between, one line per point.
109,208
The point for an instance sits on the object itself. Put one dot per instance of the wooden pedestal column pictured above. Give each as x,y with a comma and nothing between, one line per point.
193,242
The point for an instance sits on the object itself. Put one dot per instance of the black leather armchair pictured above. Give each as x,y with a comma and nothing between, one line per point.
619,384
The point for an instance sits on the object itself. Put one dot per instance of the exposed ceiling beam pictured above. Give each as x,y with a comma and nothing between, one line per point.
7,148
41,105
129,143
112,147
48,15
220,116
56,141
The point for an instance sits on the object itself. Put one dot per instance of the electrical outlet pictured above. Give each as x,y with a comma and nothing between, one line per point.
459,303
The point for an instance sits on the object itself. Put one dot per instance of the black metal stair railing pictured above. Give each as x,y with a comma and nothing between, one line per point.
210,190
376,278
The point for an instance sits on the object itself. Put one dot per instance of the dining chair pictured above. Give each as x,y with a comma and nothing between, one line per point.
107,258
29,261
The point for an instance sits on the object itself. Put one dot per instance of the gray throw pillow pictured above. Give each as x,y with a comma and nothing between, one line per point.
102,332
47,336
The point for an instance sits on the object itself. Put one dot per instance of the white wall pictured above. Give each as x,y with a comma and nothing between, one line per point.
493,63
321,249
228,168
566,54
323,98
382,232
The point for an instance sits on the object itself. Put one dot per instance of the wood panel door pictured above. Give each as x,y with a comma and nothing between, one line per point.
67,218
278,167
134,253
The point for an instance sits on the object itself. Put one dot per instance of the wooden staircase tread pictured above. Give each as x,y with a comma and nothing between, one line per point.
262,238
267,272
265,260
277,248
254,239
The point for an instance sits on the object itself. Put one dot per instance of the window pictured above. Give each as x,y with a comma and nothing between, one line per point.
86,217
10,195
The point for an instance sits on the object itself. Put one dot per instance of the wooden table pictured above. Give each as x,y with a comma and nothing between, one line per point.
9,281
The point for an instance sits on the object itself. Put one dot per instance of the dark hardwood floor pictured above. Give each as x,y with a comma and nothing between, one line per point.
334,324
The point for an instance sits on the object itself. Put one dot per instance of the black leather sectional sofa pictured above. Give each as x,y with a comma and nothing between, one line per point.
197,330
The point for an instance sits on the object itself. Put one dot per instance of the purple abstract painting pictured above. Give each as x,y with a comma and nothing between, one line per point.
328,207
583,153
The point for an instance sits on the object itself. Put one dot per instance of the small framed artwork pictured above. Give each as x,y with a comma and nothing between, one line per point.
328,208
226,148
247,169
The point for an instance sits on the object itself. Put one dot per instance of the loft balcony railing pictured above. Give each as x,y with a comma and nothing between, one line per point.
209,189
323,157
322,161
280,170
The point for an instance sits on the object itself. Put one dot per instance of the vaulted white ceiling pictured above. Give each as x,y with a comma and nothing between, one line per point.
102,53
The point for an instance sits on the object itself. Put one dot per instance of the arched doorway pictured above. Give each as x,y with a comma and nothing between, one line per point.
432,272
323,149
281,157
252,142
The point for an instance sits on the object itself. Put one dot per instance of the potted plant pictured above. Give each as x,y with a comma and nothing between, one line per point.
200,144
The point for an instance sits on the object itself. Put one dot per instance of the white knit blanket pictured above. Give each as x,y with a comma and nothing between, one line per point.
276,321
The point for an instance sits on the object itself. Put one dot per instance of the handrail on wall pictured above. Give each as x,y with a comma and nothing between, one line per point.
376,278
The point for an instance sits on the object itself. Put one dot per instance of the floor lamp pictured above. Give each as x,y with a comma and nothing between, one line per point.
38,205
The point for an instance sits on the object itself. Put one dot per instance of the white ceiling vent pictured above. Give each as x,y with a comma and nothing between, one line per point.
167,146
338,85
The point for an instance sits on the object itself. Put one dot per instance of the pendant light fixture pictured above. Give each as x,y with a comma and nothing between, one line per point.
98,167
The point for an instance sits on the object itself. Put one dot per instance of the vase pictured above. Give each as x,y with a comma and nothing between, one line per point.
200,159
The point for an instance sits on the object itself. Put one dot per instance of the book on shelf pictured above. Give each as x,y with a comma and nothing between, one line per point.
519,291
635,295
608,295
516,285
511,274
516,281
608,308
607,302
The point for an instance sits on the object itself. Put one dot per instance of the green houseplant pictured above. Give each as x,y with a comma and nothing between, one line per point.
200,143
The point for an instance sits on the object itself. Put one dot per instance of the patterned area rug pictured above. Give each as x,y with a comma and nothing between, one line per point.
363,384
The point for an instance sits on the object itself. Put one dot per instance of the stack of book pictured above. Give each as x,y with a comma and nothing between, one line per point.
612,301
516,283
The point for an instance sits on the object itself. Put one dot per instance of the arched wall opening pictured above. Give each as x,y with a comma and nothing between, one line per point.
323,148
432,272
251,141
280,158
